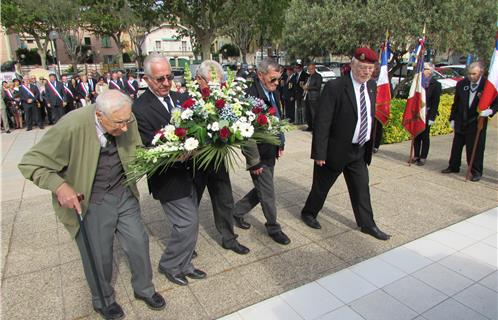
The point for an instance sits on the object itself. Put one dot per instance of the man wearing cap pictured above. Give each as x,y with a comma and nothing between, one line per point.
342,142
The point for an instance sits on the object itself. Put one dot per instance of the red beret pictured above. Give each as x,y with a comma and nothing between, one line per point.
365,54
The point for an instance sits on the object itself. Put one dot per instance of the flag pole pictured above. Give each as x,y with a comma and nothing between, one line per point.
411,151
480,126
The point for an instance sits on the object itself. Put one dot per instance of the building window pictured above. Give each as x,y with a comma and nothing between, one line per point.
106,42
108,59
88,41
158,45
184,46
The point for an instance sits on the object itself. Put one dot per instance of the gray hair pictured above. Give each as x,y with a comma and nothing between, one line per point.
154,58
428,65
266,64
207,67
477,64
112,100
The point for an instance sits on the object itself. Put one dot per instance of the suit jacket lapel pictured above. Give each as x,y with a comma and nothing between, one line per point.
348,86
372,87
158,108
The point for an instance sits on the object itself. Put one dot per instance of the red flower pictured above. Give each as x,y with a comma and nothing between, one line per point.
180,132
224,133
220,103
205,92
262,119
223,85
272,111
189,103
256,110
159,132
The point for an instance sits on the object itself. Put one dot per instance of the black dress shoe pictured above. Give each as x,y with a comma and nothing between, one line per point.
414,160
421,162
375,232
280,237
196,274
449,170
156,302
179,279
8,131
113,312
237,248
241,223
476,178
311,221
194,254
29,129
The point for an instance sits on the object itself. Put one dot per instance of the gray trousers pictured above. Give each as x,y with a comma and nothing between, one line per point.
120,216
5,118
264,193
183,215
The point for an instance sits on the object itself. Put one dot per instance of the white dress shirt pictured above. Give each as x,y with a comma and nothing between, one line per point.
356,86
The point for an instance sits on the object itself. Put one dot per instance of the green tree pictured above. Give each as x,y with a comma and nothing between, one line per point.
202,19
31,18
109,18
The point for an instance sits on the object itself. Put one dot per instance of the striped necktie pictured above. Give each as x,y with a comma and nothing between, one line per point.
362,136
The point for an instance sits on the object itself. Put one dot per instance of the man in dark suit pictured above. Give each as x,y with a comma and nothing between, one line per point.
30,95
69,94
289,95
54,95
432,94
217,182
312,94
342,142
131,86
463,119
173,187
301,78
115,83
261,161
92,83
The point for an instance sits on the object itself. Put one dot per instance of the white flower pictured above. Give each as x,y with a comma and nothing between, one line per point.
243,119
215,126
156,139
251,116
169,128
187,114
210,134
191,144
246,130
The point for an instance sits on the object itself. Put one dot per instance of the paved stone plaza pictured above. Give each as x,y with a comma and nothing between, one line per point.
42,276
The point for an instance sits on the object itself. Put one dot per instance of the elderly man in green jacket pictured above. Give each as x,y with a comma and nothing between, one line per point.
88,152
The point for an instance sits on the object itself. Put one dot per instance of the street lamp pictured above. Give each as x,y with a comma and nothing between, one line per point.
53,35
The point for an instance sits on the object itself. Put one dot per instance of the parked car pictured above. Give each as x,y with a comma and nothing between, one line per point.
450,73
326,73
461,69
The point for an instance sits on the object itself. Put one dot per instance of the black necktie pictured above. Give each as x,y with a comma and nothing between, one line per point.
167,99
362,136
110,139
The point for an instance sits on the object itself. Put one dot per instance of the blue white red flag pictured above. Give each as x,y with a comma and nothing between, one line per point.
491,86
414,116
383,101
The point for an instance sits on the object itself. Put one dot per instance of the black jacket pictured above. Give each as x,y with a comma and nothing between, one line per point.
177,181
51,97
465,116
314,87
267,152
336,120
432,95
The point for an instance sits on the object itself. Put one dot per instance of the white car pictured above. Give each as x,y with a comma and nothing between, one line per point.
326,73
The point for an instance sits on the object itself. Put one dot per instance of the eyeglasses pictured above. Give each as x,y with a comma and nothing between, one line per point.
121,123
161,79
275,80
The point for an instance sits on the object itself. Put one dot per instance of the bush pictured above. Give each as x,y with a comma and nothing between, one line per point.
394,131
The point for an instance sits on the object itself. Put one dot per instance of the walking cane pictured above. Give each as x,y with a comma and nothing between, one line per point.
81,197
480,126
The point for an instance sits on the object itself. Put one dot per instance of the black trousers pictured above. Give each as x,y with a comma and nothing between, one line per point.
290,110
356,176
467,139
379,131
32,115
422,143
311,108
220,191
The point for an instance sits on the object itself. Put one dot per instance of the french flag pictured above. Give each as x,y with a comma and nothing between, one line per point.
491,86
414,116
383,101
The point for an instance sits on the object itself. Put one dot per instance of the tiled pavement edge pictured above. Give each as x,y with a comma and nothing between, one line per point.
42,274
449,274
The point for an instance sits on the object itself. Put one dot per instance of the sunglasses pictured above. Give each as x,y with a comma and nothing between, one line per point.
161,79
275,80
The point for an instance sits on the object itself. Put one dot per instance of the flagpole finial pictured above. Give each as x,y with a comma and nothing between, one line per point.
387,34
423,31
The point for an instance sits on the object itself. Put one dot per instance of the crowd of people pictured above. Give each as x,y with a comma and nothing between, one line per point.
39,102
88,152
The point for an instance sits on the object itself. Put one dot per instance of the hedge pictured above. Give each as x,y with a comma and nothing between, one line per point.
394,131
